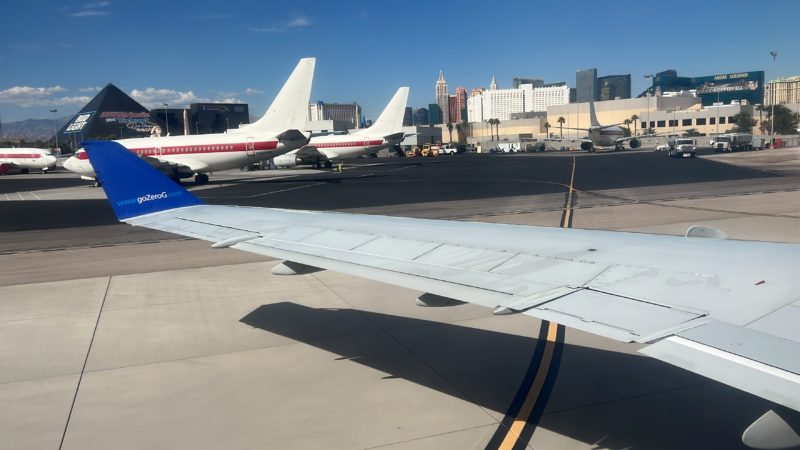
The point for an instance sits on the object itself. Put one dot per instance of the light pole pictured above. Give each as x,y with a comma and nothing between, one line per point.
166,119
717,114
774,55
647,128
55,130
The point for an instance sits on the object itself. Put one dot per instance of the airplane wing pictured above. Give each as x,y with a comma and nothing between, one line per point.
184,164
726,309
397,137
309,152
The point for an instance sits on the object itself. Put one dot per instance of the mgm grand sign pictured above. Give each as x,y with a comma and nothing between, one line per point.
731,86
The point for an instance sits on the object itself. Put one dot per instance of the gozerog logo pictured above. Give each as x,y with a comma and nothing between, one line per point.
151,197
148,198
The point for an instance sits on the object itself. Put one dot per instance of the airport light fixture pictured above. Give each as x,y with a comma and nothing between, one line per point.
774,55
647,128
55,129
166,119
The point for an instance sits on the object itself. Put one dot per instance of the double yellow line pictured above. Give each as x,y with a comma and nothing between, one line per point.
515,431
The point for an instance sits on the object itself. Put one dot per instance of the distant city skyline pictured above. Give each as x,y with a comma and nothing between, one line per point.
182,52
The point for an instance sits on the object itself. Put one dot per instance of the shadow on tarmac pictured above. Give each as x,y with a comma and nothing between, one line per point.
613,399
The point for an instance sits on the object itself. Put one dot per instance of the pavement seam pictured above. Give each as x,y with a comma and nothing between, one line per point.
630,397
85,361
429,436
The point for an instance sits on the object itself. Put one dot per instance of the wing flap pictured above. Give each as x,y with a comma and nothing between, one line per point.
755,362
615,317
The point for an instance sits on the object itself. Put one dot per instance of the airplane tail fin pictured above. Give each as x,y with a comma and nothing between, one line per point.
391,119
593,115
133,186
289,110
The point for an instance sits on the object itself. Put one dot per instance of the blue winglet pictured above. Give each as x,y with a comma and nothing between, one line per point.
133,186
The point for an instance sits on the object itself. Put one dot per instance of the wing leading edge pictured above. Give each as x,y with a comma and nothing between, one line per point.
725,309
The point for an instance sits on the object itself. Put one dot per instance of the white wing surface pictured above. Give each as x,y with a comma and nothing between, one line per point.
722,308
726,309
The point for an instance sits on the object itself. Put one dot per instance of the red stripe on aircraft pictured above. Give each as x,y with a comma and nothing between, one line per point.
20,155
197,149
210,148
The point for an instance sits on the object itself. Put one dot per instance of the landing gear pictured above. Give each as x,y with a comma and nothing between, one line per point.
24,171
617,148
328,164
201,178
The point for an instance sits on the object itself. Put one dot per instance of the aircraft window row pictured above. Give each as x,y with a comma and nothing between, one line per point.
192,149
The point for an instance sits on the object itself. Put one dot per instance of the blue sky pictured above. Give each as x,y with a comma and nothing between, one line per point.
56,54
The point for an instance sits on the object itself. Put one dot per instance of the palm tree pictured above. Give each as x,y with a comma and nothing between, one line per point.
561,121
635,120
495,123
627,123
450,130
547,128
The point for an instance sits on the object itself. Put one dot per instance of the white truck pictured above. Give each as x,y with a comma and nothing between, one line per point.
681,148
731,142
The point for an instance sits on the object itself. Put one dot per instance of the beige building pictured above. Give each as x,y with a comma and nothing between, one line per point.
611,112
782,91
663,114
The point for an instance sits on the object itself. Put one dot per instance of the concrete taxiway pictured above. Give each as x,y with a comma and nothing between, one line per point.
114,337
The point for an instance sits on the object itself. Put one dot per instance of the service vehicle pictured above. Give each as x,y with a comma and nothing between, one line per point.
732,142
681,148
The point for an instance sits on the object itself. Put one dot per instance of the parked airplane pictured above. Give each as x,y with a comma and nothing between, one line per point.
723,308
277,132
602,135
384,133
25,159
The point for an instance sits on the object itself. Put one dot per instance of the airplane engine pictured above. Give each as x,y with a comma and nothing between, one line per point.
586,145
635,143
286,161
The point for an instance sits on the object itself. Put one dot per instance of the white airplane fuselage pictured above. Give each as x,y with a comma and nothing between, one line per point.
348,145
606,136
201,153
26,159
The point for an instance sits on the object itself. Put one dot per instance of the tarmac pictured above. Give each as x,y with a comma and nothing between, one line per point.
117,337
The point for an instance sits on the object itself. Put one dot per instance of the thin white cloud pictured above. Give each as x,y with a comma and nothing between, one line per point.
79,100
92,9
90,89
251,91
293,23
209,16
27,96
155,98
298,22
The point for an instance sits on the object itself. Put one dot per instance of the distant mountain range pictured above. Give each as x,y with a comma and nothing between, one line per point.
31,129
39,129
